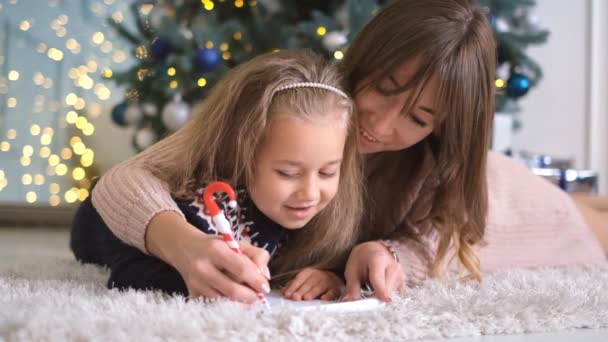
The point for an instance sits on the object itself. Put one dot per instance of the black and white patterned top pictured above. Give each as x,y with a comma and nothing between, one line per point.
247,221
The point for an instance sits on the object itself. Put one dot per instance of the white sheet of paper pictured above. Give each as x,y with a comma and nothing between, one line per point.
276,299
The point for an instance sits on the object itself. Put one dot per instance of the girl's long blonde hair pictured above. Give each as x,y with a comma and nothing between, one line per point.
221,141
408,198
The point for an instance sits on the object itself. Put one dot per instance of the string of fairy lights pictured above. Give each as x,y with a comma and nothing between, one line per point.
68,158
69,168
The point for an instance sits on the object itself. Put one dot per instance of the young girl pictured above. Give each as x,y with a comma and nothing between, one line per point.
279,129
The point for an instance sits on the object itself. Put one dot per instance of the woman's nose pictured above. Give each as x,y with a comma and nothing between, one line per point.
383,122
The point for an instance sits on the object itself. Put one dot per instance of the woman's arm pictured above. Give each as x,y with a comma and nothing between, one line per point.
533,223
597,202
388,266
208,266
139,209
416,257
128,197
597,221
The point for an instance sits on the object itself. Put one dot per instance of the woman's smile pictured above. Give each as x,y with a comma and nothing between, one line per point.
367,136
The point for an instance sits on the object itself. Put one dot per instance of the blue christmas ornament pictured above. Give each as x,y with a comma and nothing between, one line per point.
208,59
517,85
118,114
160,48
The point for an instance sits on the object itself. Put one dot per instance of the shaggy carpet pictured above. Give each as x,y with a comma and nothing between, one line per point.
58,300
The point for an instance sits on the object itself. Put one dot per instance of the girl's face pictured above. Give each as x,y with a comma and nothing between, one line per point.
297,168
384,123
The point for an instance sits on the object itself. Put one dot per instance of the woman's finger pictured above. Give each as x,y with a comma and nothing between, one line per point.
393,277
239,266
207,277
377,278
353,278
259,256
227,287
353,289
207,293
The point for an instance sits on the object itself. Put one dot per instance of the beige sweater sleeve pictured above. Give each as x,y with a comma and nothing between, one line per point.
128,196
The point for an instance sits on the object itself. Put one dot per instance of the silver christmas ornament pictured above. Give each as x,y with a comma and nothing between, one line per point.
175,114
133,115
149,109
145,137
333,40
273,6
502,25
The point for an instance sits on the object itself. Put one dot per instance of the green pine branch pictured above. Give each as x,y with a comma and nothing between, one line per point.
123,32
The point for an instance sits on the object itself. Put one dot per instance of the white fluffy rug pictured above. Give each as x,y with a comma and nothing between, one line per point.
58,300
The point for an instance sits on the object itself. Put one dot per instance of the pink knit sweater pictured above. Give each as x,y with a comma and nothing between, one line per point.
531,223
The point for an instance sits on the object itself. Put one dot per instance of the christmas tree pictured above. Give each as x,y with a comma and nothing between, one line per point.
516,28
183,47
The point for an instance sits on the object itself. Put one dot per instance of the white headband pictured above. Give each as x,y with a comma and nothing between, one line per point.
312,85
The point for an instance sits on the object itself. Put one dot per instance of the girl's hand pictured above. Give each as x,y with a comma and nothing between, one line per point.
374,263
208,266
312,283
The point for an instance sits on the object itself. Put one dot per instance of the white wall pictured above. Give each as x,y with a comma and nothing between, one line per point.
598,130
557,115
111,143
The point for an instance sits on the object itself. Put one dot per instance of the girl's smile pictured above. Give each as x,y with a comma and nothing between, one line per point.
301,212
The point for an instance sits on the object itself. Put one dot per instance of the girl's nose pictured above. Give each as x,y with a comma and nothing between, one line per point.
309,189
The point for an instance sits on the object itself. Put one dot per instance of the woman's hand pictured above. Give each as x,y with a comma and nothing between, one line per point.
208,266
373,262
312,283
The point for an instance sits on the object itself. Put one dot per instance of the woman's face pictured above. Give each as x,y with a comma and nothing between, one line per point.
386,125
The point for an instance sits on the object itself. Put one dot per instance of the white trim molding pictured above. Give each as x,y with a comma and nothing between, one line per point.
28,215
597,129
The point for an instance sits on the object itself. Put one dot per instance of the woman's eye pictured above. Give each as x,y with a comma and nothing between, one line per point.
418,121
385,90
388,86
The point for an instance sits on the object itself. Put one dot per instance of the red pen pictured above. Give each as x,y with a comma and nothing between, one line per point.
220,221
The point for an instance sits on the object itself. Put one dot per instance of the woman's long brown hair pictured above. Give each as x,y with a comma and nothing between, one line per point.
221,141
454,42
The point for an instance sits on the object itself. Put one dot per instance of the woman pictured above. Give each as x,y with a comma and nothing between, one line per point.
422,75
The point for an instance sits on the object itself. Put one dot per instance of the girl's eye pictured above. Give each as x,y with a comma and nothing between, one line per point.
286,174
328,174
